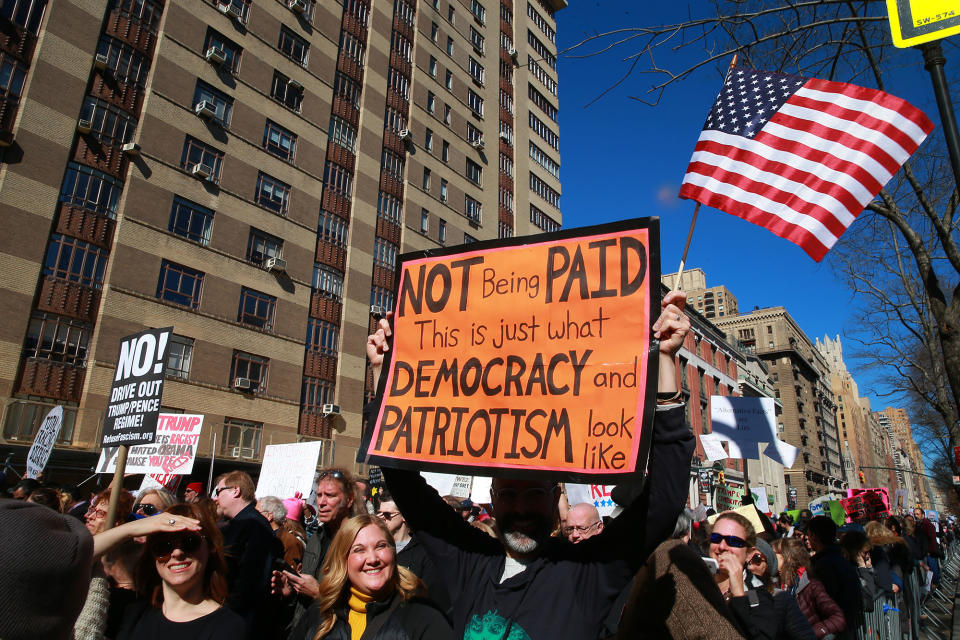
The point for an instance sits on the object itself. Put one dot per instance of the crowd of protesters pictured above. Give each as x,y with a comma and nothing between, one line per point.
403,562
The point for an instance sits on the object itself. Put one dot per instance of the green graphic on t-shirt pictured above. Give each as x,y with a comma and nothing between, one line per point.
492,627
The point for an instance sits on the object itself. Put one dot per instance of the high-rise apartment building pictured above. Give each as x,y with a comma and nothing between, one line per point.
711,302
801,381
247,171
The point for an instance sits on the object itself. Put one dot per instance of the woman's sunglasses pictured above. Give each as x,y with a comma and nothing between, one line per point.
732,541
147,509
758,558
163,545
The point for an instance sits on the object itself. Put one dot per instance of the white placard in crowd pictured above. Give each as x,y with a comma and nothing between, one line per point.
43,442
157,481
172,452
760,499
596,494
481,490
712,448
745,423
288,469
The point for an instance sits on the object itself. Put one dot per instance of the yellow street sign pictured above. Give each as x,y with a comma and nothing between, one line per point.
916,21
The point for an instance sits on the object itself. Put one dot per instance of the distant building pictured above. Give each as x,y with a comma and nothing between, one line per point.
755,382
711,302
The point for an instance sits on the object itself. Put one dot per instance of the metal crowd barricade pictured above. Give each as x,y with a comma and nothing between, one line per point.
936,607
883,623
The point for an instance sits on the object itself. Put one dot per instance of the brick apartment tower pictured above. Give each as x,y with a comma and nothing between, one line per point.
247,172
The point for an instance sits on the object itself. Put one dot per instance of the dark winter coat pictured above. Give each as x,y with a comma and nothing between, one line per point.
819,608
394,619
839,578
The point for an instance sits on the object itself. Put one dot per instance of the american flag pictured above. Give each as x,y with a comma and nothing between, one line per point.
801,157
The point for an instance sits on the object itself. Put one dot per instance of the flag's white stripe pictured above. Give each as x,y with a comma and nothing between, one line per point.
891,146
778,182
859,158
814,226
895,118
848,182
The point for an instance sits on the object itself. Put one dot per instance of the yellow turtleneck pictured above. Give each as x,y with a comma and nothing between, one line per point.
357,616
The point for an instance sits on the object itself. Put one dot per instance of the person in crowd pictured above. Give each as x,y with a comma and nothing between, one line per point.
838,575
193,492
153,501
928,531
73,502
410,553
503,583
889,556
791,623
47,496
250,548
583,521
732,540
46,559
365,595
23,489
914,542
271,508
96,516
119,565
182,577
293,522
785,525
817,606
337,500
363,494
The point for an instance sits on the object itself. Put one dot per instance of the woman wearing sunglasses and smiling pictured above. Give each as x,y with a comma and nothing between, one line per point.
732,541
180,576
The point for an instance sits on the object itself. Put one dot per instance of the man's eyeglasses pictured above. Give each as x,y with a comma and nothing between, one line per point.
579,529
147,509
387,516
510,494
217,491
162,546
732,541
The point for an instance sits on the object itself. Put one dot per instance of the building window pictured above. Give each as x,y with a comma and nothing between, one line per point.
543,190
272,194
544,132
424,221
385,254
241,438
541,50
542,103
57,339
314,394
445,151
382,298
343,134
474,172
474,134
506,102
506,165
704,418
322,337
443,190
197,153
448,82
392,164
542,23
467,238
428,140
505,198
347,88
256,309
543,221
472,209
293,46
475,102
287,92
506,132
545,161
279,141
179,356
442,231
125,63
476,39
28,13
231,51
191,221
220,102
450,42
179,284
252,367
446,114
389,208
433,66
504,230
431,102
91,190
394,120
476,70
328,281
434,32
399,83
478,11
352,48
111,126
426,179
401,46
332,228
506,71
262,245
541,74
74,260
450,13
358,9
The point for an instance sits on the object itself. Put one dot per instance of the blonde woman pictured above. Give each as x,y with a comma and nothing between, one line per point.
364,595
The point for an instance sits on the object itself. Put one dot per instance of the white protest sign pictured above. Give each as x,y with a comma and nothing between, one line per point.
596,494
745,423
157,481
171,453
712,447
481,490
288,469
760,498
43,442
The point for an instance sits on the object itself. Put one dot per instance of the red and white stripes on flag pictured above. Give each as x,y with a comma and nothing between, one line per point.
801,157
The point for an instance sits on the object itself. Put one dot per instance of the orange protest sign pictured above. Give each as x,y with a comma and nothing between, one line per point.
524,356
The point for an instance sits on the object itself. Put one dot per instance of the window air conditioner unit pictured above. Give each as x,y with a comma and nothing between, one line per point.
83,126
477,144
100,61
131,149
405,134
297,6
235,452
505,137
203,171
294,84
205,110
277,265
331,409
230,10
242,383
216,55
376,310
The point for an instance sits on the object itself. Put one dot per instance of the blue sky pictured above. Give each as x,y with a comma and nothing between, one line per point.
623,159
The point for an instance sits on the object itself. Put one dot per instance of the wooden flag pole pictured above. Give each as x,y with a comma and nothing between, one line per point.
693,221
116,486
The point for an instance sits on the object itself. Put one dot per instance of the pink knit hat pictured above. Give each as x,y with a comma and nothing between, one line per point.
294,506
